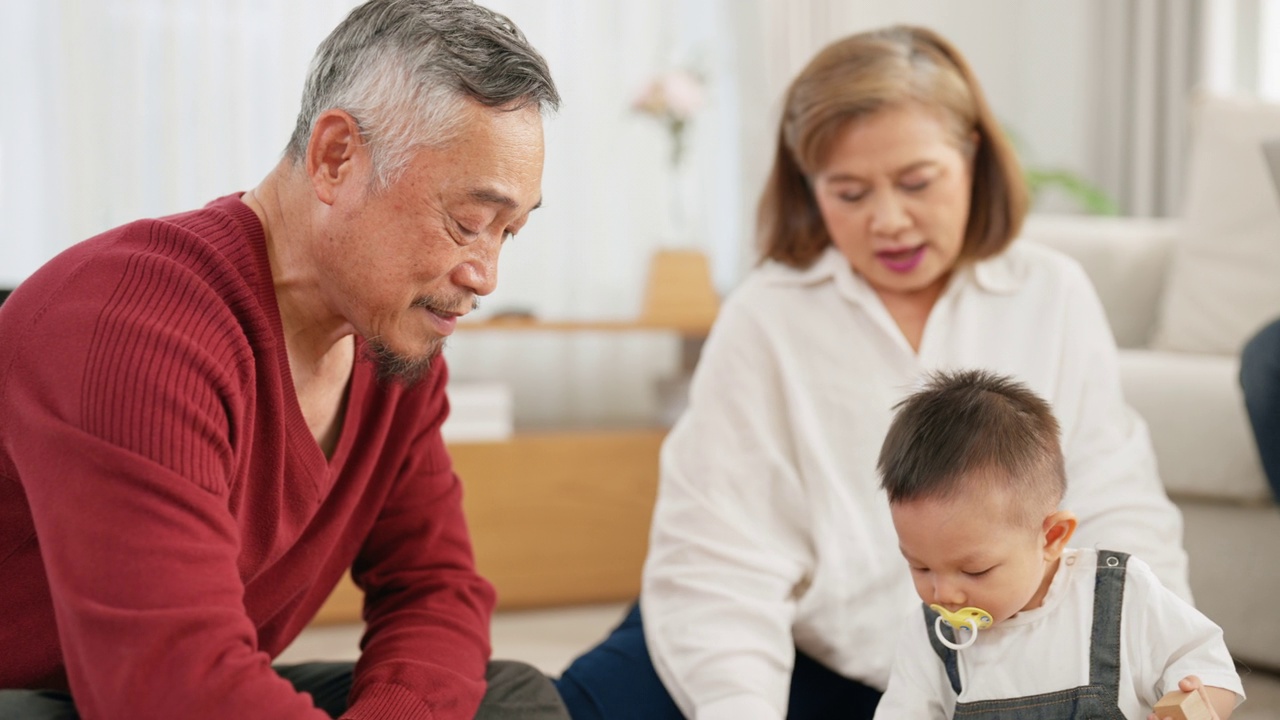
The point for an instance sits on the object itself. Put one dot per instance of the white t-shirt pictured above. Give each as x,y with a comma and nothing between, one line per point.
770,531
1162,640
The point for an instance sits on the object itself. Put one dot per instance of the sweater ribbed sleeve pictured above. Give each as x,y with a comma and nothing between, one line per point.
168,524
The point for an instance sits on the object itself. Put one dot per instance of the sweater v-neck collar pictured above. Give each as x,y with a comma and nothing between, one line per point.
319,467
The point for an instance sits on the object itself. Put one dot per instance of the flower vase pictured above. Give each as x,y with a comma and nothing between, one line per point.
677,229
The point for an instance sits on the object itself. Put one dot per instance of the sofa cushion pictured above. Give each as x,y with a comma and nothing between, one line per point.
1235,579
1127,260
1194,409
1222,286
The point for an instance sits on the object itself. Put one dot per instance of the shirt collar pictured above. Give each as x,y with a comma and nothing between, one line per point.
999,275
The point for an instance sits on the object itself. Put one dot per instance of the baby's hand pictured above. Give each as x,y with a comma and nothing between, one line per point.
1192,684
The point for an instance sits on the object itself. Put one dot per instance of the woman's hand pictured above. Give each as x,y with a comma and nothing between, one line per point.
1220,702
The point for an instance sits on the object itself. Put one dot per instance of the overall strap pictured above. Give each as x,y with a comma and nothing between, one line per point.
945,654
1108,602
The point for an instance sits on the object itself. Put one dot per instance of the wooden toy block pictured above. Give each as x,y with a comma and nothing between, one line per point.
1178,705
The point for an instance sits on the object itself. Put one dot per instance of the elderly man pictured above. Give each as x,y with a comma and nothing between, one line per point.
209,417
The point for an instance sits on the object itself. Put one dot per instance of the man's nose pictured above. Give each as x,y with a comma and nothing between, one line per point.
479,271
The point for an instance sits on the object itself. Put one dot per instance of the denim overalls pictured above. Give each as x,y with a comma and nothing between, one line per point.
1099,700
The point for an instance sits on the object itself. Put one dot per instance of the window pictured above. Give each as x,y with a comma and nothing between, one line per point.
1242,47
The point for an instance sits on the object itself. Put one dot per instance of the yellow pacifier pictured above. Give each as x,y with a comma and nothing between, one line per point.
968,618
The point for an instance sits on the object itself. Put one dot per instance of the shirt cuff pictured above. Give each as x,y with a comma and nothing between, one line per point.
740,707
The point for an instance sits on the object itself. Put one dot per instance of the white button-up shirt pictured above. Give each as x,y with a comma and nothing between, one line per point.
771,531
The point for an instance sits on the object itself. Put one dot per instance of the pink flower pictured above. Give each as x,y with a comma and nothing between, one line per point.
676,95
673,98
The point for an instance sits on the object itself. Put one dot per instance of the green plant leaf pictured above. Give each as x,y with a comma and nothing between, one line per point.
1090,197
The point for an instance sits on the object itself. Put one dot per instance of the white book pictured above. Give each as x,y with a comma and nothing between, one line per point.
479,411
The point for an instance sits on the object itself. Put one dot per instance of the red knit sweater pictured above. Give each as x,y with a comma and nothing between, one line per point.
168,523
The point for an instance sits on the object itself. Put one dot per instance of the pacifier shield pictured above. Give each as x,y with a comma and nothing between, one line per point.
967,617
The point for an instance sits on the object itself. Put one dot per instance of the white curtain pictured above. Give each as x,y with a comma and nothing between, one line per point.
1149,66
585,253
1241,41
120,109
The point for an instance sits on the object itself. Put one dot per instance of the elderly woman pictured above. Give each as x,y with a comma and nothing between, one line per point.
774,584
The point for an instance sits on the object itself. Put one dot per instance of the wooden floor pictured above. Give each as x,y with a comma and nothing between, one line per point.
551,638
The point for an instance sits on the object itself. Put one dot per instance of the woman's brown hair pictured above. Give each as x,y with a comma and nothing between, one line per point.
860,75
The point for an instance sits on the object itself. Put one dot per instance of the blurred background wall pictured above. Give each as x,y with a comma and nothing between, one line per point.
112,110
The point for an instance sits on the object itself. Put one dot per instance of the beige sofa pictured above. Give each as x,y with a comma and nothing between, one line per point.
1194,408
1183,296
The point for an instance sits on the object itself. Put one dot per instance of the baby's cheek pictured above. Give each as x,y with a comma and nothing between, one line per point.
923,588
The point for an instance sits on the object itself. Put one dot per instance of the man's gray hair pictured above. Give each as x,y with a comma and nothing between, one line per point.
403,69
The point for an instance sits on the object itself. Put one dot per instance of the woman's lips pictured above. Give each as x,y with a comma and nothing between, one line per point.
902,261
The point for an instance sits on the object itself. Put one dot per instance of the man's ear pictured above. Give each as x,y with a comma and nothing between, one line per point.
334,153
1058,528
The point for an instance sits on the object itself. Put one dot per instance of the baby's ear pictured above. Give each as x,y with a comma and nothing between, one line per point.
1058,528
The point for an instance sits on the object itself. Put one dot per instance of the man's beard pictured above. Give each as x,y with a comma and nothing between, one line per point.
394,367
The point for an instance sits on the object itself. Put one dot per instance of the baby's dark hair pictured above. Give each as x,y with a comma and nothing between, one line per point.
974,425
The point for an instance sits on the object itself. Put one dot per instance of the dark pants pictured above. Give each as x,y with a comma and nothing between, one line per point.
515,691
1260,380
616,681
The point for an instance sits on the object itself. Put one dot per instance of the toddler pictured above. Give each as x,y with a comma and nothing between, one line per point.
1015,623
